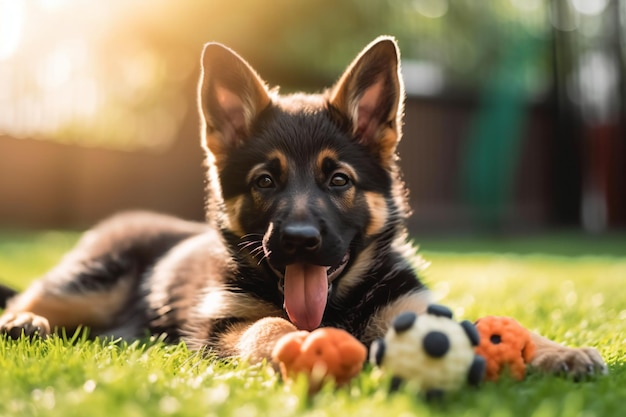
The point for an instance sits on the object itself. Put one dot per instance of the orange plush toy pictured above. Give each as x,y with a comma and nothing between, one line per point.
323,354
504,343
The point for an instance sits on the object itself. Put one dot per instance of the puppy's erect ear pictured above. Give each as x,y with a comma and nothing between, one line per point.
231,96
370,94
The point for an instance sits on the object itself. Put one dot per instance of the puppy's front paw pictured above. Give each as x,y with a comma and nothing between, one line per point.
577,363
29,324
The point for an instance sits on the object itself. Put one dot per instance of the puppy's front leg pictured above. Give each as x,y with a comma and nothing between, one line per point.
576,362
256,341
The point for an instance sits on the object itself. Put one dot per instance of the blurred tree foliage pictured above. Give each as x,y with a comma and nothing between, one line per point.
123,73
307,43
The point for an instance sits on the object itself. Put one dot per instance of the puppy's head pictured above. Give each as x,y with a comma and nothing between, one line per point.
305,182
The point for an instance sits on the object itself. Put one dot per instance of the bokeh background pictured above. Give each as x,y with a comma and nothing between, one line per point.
515,116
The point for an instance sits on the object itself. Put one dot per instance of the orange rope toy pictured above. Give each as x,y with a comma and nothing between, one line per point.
323,354
504,343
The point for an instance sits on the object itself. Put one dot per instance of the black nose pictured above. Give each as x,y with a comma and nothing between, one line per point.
300,237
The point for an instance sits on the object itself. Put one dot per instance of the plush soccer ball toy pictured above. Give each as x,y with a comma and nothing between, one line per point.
505,344
323,354
431,350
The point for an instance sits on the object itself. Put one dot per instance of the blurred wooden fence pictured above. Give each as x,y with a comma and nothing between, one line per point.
48,185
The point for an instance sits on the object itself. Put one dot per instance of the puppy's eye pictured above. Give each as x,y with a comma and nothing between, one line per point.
264,181
339,180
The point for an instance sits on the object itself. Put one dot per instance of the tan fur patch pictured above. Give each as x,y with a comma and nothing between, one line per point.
387,146
323,155
357,271
343,166
282,160
380,321
221,303
233,210
71,310
260,169
378,212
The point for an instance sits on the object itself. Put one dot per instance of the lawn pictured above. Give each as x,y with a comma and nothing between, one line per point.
568,287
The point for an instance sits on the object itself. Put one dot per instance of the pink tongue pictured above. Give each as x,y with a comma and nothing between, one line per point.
306,290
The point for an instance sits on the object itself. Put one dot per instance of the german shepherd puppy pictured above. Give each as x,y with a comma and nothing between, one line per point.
306,228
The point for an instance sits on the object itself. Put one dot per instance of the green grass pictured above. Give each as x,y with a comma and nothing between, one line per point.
577,299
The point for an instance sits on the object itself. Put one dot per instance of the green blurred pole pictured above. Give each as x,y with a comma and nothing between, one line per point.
492,151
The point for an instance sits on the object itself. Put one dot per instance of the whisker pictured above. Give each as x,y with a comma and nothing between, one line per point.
265,255
256,251
249,241
245,245
249,235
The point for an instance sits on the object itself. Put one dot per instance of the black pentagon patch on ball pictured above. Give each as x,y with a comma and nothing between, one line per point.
434,394
439,311
436,344
404,321
471,332
396,383
477,371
